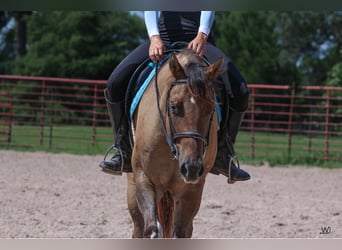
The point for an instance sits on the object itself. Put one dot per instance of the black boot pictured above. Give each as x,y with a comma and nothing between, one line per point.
226,162
121,161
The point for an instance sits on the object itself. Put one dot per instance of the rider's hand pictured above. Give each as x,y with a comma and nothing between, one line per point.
157,48
198,44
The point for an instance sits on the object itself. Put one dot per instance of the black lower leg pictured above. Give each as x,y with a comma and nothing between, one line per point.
120,162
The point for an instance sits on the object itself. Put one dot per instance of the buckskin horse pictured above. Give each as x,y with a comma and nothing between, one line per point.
175,143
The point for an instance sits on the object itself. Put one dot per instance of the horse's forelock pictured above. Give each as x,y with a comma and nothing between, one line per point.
196,79
198,82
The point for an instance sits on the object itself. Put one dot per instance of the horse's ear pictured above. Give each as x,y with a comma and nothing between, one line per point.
214,69
175,67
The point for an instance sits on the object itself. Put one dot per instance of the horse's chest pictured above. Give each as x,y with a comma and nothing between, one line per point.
163,175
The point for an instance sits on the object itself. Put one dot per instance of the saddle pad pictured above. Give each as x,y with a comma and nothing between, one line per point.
141,90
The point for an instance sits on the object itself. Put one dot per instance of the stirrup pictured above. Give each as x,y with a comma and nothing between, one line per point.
232,160
111,148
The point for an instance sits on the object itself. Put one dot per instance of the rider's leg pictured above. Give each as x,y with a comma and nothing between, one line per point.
236,88
226,162
115,98
120,162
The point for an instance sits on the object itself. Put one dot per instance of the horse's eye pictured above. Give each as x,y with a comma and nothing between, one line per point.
173,108
176,109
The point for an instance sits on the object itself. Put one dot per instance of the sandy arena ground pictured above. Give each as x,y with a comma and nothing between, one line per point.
45,195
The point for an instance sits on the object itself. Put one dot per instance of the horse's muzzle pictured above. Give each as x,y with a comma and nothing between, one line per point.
192,170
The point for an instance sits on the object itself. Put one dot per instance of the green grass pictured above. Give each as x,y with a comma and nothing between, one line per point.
274,149
69,139
269,147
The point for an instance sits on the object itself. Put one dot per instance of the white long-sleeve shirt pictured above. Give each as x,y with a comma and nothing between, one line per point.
151,22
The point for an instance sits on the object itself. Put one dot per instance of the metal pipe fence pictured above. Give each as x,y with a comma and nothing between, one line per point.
55,113
283,122
293,123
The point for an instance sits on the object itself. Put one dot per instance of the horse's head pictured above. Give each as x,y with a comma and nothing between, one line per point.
190,108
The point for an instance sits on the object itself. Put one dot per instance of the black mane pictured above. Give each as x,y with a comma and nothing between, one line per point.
198,82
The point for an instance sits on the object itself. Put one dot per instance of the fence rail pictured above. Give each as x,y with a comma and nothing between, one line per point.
58,114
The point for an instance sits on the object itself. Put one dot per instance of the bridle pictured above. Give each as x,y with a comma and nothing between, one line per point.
173,136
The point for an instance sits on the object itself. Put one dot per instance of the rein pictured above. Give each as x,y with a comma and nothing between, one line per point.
170,138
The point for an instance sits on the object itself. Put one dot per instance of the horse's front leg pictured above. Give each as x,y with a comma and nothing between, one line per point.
138,220
186,208
146,199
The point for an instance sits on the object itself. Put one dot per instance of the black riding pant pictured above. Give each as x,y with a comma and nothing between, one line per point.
119,79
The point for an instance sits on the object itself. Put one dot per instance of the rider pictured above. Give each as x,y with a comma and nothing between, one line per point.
164,28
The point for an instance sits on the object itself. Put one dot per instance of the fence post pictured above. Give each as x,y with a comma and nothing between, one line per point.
8,111
253,124
94,115
10,118
311,104
52,115
42,116
289,129
326,132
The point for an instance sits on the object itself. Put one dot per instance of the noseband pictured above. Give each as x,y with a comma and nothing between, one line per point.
170,138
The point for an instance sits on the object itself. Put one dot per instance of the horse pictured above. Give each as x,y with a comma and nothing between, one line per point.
175,143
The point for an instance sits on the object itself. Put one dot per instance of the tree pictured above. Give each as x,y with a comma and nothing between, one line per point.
21,32
311,41
7,45
250,39
335,75
78,44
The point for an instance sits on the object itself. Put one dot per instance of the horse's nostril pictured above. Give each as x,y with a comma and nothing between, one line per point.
201,172
192,170
183,169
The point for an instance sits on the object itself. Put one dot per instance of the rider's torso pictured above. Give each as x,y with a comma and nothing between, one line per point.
179,26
